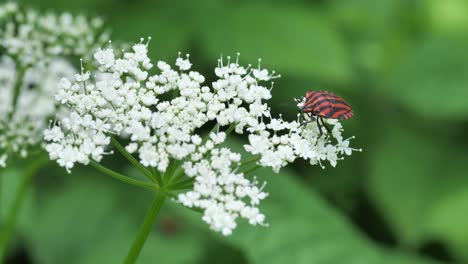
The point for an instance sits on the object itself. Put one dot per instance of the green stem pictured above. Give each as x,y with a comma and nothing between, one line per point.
176,185
230,129
123,178
1,195
175,92
250,160
17,88
16,206
157,174
252,169
214,129
184,187
181,184
173,172
145,228
177,175
132,160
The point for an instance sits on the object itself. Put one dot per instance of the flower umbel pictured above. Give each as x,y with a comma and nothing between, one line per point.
34,38
166,135
23,128
33,51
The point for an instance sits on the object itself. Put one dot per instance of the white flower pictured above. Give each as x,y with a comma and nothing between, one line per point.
55,134
132,147
163,131
253,215
189,199
21,130
105,57
34,38
37,45
261,74
184,65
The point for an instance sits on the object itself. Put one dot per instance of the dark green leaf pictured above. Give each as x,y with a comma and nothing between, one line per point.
420,187
432,79
290,40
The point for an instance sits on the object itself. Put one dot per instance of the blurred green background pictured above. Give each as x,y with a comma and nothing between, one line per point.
402,65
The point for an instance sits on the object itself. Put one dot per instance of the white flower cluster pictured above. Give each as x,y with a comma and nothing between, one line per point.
33,47
124,99
33,38
24,128
223,193
282,142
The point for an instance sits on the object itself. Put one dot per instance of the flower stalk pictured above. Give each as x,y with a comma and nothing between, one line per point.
121,177
145,228
254,168
181,184
20,72
249,161
135,162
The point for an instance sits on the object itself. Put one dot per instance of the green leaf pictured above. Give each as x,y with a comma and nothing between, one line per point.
421,188
290,40
151,19
375,40
367,17
432,79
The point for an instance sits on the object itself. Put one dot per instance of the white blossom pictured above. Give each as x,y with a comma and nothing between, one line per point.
34,38
125,100
23,129
34,49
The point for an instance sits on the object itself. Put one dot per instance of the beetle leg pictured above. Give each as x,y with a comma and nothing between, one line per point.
319,128
312,119
328,129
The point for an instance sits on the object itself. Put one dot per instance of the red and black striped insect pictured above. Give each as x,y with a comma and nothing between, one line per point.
322,104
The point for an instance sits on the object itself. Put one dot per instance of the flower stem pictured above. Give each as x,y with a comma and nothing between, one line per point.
145,228
250,160
123,178
254,168
181,184
1,195
157,175
230,129
12,214
132,160
17,88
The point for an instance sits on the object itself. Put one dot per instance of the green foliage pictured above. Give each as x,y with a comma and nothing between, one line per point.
313,48
424,195
432,79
